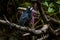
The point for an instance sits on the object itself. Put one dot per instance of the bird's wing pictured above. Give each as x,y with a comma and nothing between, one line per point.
24,16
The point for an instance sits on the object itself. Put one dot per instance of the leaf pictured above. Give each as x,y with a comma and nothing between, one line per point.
58,2
51,5
45,3
42,21
26,4
50,10
59,21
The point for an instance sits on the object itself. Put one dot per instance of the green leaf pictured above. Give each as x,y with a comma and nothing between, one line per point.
51,5
26,4
45,3
42,21
58,2
50,10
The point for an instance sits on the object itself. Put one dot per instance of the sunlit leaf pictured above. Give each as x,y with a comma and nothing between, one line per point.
58,2
45,3
51,5
50,10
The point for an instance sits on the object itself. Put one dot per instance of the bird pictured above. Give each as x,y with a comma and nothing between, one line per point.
25,17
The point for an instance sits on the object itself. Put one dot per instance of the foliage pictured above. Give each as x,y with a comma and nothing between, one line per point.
52,7
58,2
26,4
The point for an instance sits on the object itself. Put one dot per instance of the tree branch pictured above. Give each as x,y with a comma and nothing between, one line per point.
36,32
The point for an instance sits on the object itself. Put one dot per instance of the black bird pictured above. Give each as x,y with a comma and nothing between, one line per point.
25,17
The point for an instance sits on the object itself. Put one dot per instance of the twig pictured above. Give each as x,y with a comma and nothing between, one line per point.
57,31
43,15
53,20
38,27
36,23
5,18
46,36
43,29
26,34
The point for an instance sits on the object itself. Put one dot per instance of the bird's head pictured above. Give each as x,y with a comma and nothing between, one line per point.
29,9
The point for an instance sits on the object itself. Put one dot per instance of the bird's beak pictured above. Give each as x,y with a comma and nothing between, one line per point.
31,8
